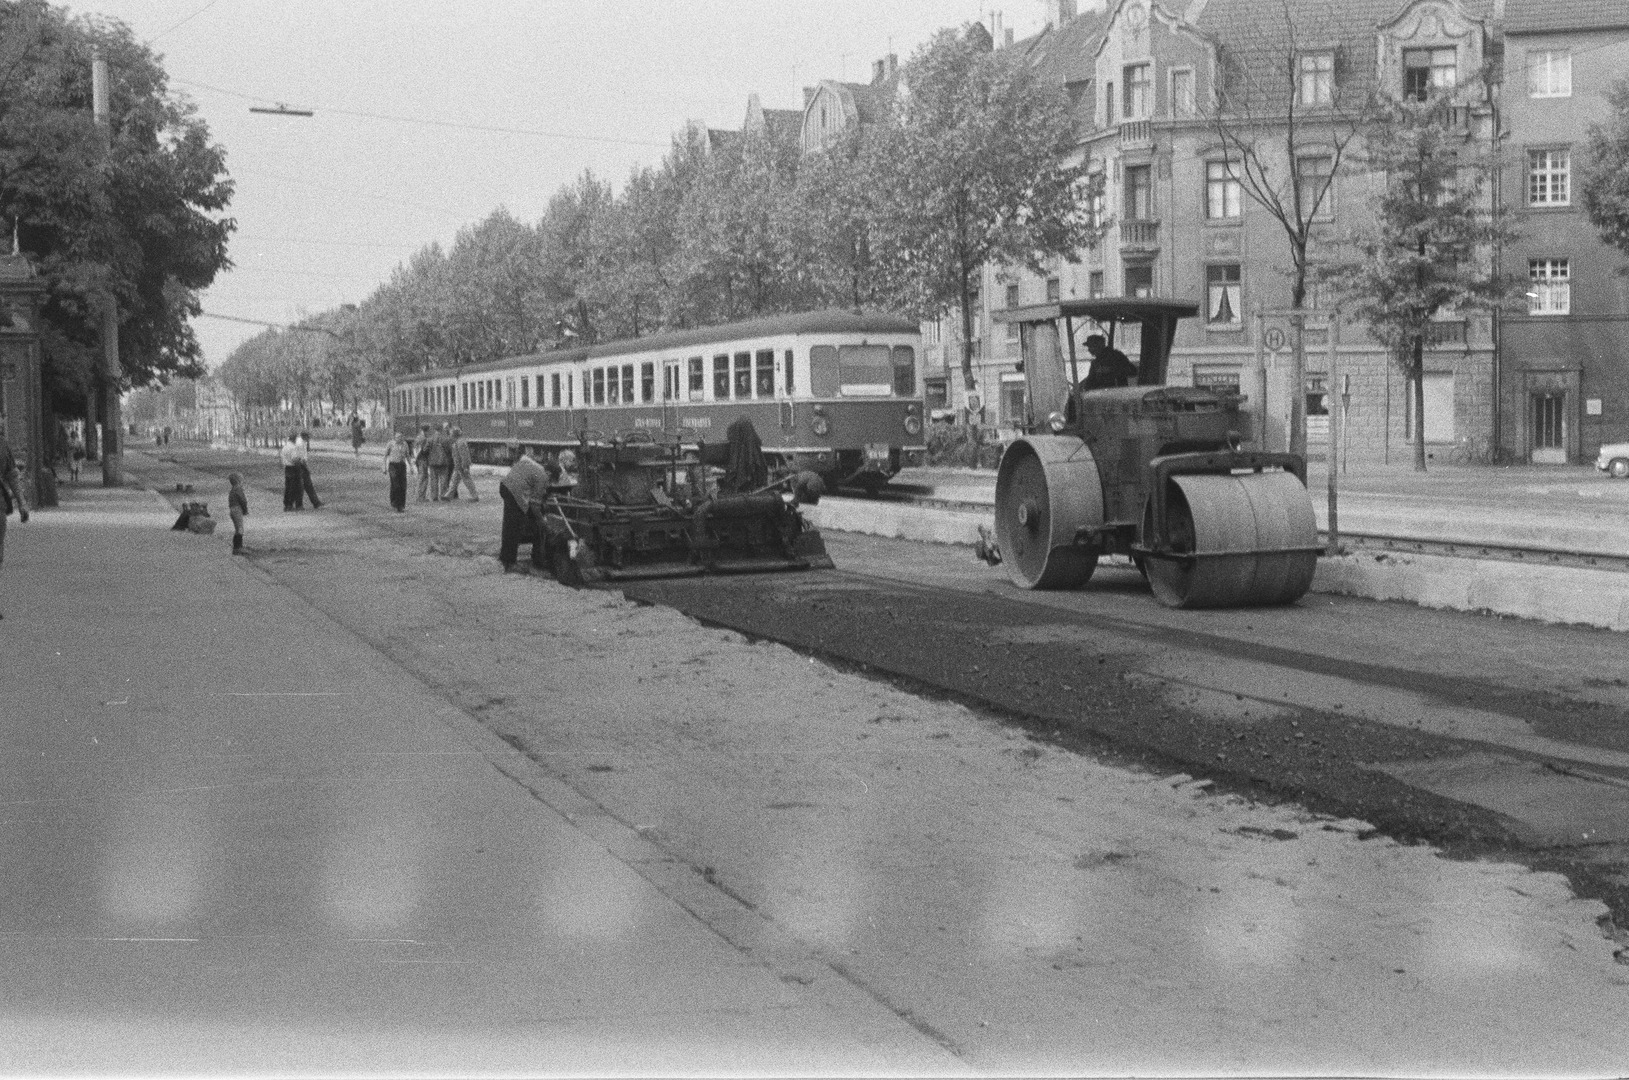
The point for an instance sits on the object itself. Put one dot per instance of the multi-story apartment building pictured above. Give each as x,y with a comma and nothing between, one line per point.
1564,363
1182,225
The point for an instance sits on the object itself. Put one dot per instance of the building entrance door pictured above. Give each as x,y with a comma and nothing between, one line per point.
1548,420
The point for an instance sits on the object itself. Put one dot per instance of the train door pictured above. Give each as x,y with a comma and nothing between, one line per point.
670,395
789,414
509,406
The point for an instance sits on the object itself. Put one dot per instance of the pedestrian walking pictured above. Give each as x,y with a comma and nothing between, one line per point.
523,490
396,455
293,493
421,460
440,462
305,471
359,434
11,490
461,464
76,456
237,505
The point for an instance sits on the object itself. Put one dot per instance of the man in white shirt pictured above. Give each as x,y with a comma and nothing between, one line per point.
293,498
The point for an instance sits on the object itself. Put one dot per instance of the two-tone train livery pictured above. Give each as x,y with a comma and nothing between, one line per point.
828,391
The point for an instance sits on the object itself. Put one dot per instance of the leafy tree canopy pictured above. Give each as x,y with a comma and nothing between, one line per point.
1604,179
141,220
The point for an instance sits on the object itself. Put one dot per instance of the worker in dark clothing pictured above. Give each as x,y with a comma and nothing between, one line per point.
746,470
523,491
1110,366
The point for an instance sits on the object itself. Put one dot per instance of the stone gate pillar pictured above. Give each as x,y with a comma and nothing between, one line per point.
21,393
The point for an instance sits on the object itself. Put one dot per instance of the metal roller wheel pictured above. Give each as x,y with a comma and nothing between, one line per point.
1046,489
1263,515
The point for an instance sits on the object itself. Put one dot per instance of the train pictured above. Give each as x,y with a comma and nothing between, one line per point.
829,392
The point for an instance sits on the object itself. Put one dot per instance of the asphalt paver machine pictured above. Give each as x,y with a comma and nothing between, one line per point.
1159,473
644,506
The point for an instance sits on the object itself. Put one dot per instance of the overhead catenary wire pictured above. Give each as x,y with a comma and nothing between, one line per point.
431,122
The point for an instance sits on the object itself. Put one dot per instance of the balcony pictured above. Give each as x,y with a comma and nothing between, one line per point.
1139,236
1136,133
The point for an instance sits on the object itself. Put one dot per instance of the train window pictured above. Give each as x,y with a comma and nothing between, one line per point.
765,386
571,389
525,393
743,375
540,398
823,371
613,387
698,379
670,381
790,382
865,369
599,386
721,378
647,381
904,371
627,384
554,389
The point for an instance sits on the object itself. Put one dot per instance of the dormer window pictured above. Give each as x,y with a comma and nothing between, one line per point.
1426,71
1317,78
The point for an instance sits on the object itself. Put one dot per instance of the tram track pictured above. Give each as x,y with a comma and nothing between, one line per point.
1350,541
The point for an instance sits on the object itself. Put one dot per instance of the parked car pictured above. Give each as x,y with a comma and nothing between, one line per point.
1614,459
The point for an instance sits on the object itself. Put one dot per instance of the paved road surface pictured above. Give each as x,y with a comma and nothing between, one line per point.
737,858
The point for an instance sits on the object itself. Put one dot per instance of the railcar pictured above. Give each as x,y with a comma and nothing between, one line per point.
828,392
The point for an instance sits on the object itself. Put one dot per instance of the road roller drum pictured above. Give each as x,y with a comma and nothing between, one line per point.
1047,490
1237,540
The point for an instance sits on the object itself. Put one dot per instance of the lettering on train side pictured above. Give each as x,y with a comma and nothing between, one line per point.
647,421
696,422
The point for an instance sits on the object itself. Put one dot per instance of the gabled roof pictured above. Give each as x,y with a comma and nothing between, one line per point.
1257,35
1063,54
1552,16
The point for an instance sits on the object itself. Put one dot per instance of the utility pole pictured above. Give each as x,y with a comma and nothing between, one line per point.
112,372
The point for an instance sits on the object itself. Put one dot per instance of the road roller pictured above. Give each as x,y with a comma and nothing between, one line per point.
1160,473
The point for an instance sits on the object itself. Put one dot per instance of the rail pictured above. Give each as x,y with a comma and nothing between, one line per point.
1351,542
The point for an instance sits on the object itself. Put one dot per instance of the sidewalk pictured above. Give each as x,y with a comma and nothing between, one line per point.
241,839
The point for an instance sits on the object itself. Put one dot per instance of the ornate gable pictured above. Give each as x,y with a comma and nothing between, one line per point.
1433,25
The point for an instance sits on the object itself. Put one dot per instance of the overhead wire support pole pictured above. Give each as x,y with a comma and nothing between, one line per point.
112,370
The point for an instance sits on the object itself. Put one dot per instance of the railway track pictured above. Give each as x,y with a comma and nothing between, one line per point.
1351,541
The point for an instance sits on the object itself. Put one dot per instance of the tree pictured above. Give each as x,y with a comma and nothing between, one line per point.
1287,132
1603,181
141,221
828,221
1429,250
978,166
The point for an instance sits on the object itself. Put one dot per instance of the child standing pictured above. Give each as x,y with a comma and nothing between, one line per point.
237,504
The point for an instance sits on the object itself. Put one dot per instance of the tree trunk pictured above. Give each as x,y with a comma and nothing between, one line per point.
1417,377
966,299
1298,383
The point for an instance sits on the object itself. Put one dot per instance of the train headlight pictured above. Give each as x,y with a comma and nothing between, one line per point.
1055,422
913,424
822,426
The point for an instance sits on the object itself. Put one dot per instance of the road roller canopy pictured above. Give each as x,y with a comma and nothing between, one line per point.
1102,309
1052,368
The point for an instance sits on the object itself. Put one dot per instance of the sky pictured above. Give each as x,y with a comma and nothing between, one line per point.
400,153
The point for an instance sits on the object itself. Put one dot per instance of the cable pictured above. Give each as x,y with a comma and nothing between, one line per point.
240,239
298,273
184,21
435,123
270,325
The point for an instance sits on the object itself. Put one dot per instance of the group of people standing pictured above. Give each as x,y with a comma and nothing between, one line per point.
442,458
296,456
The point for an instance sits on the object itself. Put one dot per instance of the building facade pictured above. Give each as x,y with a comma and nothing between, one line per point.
1564,372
